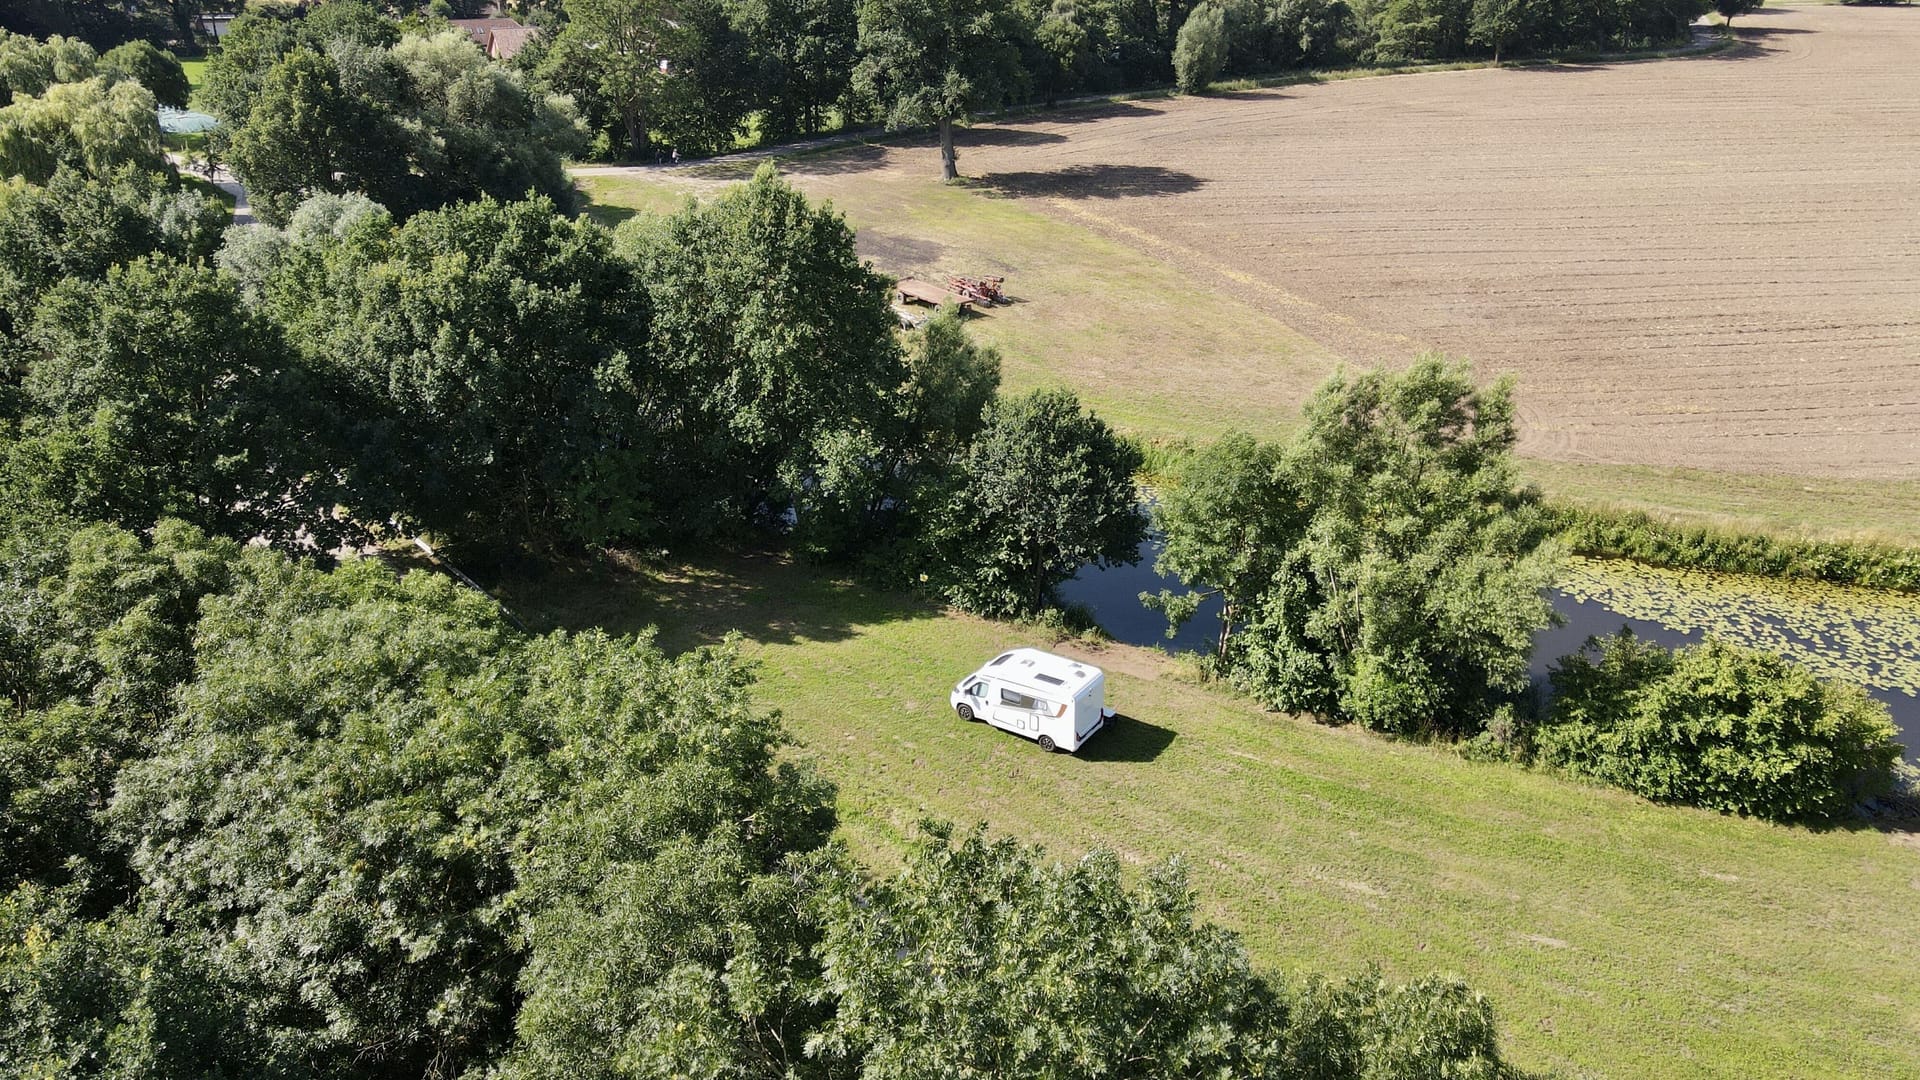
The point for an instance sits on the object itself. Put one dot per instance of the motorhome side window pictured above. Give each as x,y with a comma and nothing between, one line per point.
1016,700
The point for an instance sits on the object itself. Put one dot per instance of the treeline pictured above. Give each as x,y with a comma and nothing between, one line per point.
700,76
779,68
1386,567
262,819
1245,37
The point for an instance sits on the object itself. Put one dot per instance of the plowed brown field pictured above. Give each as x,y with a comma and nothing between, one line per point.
1709,261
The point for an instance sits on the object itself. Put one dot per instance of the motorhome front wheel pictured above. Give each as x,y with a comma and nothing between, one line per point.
966,713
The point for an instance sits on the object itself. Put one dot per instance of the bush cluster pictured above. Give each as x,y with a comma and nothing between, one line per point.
1717,726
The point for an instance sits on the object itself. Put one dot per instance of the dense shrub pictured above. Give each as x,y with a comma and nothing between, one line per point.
1717,726
1636,536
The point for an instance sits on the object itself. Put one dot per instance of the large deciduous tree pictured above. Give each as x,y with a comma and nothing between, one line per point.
154,68
803,54
932,62
1228,516
96,125
771,334
1411,599
154,393
496,353
641,66
1045,488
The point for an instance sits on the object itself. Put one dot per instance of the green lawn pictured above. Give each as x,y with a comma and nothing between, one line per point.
196,72
1127,330
1616,938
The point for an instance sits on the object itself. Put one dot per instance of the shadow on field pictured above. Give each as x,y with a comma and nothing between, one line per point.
609,215
1001,135
839,161
1094,182
766,599
1127,739
1084,114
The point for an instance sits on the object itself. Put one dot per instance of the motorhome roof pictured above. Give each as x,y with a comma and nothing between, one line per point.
1043,669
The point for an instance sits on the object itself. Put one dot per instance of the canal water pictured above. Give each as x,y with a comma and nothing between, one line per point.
1112,596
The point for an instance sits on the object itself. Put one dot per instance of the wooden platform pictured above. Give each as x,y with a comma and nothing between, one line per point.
926,292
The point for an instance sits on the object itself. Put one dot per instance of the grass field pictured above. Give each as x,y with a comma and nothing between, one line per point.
1616,938
196,72
1191,266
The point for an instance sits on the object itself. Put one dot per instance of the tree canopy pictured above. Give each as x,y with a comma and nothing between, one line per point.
1387,568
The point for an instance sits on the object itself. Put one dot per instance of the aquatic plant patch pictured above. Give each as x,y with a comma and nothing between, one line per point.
1866,636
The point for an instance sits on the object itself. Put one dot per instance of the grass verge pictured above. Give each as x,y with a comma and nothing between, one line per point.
1616,938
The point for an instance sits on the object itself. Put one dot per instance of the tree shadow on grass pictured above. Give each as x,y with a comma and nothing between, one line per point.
767,599
1069,113
609,215
1004,135
1127,739
1094,182
838,161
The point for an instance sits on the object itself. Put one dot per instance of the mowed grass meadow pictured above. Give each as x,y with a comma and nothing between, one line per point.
1616,938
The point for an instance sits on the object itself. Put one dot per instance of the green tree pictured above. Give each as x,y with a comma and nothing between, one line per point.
77,225
983,958
771,333
1045,488
96,630
1411,601
804,52
1200,53
1735,730
1497,24
154,393
28,66
306,134
116,996
610,55
154,68
932,62
1421,29
1229,515
1727,9
667,933
326,810
406,830
96,126
873,488
491,355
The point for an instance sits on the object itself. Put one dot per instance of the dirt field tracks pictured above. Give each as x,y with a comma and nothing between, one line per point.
1711,261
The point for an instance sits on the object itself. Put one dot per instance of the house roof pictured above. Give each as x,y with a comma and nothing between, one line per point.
479,29
503,42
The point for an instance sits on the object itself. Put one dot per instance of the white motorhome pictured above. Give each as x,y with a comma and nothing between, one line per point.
1050,699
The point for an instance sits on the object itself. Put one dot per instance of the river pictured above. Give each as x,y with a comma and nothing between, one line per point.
1857,634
